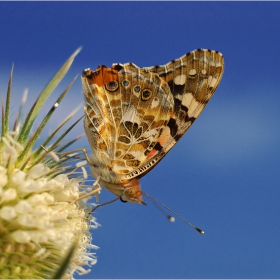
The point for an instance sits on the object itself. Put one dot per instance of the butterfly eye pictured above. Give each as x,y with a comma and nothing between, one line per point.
112,86
137,89
146,94
125,83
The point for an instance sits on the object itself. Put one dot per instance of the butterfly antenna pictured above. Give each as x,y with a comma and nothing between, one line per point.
170,218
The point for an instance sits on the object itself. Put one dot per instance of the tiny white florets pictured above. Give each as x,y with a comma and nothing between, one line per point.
36,210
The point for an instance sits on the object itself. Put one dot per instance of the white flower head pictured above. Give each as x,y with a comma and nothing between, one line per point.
40,214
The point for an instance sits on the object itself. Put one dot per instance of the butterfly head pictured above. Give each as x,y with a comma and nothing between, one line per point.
132,192
129,191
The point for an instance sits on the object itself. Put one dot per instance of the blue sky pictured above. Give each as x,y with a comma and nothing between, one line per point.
223,175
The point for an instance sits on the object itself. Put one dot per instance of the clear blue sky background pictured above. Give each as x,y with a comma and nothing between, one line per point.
223,175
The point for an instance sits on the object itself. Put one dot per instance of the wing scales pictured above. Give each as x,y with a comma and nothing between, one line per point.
134,116
192,80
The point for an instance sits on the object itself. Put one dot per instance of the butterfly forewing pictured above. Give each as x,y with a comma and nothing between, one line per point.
192,80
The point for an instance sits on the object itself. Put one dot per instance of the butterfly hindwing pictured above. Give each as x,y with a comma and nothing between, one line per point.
126,110
134,116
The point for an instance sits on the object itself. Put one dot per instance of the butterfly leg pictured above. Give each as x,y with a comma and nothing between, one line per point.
76,150
105,203
94,191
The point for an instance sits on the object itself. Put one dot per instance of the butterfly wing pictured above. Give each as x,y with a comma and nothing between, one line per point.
126,110
134,116
192,80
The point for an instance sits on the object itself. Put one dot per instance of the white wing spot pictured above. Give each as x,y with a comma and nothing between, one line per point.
131,115
194,107
203,71
180,80
179,96
155,103
212,81
187,99
192,72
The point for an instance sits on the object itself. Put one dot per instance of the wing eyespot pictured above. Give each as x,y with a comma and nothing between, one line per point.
112,86
137,89
125,83
146,94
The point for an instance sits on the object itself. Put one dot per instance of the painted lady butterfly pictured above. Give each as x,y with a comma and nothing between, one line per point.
134,116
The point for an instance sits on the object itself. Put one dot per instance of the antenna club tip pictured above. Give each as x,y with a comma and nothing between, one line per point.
199,230
171,219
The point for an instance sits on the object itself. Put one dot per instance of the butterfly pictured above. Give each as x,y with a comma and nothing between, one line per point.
134,116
